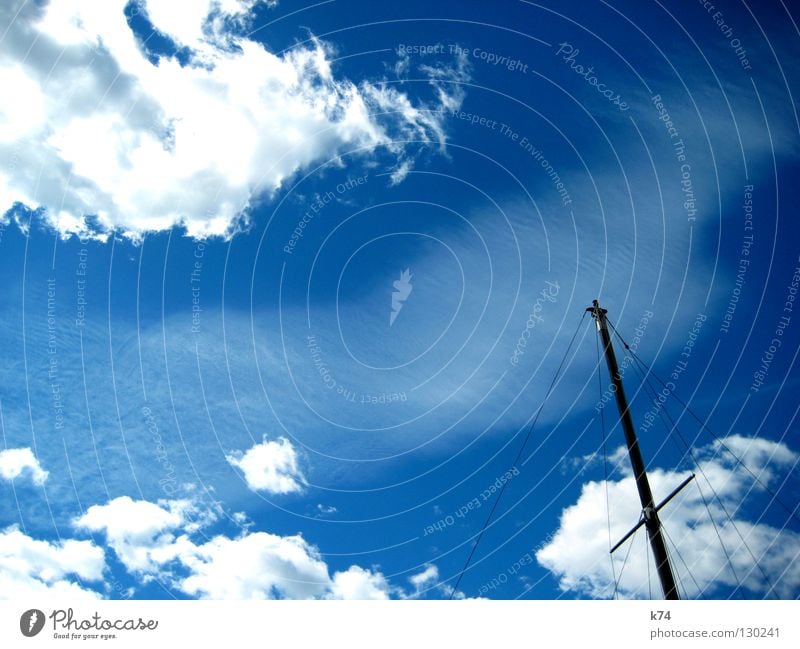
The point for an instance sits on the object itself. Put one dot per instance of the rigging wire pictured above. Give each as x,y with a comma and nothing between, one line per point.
624,563
651,392
647,561
605,460
721,442
673,426
791,511
685,565
735,527
516,459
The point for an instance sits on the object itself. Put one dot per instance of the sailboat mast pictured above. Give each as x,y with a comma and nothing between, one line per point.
649,511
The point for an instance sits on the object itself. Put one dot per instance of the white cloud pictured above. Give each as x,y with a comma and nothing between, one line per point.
399,174
424,579
89,125
183,21
15,462
270,467
254,566
359,583
137,530
759,455
32,569
155,541
578,551
428,580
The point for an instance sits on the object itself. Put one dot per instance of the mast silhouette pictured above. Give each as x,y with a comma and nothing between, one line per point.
649,510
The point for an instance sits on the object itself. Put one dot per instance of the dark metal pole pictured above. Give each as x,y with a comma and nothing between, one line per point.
651,520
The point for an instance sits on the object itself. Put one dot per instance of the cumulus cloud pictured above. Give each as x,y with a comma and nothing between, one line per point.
155,540
359,583
427,581
198,24
16,462
137,530
92,122
32,569
578,556
422,580
254,566
270,466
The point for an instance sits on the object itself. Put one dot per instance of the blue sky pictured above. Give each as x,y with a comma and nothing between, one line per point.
217,381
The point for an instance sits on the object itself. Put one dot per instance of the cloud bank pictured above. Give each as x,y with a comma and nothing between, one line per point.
31,568
157,541
104,133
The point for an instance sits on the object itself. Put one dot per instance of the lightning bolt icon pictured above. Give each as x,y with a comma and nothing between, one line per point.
32,620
